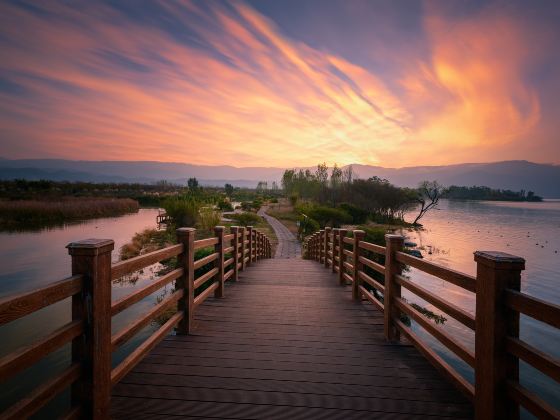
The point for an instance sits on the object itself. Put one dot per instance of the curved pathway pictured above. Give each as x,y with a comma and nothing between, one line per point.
288,245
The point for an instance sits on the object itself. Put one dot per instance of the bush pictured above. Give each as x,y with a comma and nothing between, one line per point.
328,216
245,219
224,205
257,204
274,200
358,215
307,226
208,218
375,235
293,199
184,211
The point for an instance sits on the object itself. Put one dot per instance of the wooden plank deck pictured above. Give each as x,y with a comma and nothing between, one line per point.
286,343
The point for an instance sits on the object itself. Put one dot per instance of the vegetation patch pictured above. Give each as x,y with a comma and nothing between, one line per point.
35,214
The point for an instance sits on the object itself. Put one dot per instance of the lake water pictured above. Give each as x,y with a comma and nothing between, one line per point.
33,259
453,233
529,230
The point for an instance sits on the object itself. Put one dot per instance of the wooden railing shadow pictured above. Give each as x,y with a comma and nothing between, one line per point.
90,375
497,392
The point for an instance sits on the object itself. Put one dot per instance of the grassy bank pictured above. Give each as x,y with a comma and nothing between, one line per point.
35,214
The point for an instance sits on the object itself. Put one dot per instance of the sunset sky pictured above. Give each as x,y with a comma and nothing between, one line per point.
281,83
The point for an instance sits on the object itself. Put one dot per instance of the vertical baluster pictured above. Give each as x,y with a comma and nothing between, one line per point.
358,266
185,260
327,241
219,263
341,256
242,234
235,231
334,249
250,244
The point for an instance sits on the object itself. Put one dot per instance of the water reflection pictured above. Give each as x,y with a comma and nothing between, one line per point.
529,230
30,260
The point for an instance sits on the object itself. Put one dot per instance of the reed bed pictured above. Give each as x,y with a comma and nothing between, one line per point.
33,214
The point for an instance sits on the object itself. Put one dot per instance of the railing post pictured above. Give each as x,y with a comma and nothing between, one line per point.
261,242
235,231
185,260
358,266
219,232
242,236
327,239
268,248
341,256
495,272
334,246
320,246
250,235
258,246
314,246
92,258
393,243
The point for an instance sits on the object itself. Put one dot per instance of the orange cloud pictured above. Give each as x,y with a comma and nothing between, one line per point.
94,84
471,95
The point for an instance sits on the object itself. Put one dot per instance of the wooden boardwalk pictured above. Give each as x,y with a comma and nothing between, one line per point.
286,342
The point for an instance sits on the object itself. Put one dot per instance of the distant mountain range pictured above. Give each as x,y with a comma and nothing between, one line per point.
543,179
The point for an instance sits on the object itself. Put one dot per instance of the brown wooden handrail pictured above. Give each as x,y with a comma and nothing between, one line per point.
90,374
499,302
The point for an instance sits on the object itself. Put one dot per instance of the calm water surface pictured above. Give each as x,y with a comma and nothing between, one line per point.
33,259
528,230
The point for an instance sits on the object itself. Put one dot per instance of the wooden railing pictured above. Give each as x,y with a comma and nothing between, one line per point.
375,273
90,374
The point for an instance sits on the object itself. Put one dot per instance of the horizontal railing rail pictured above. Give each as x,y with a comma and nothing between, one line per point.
89,374
376,275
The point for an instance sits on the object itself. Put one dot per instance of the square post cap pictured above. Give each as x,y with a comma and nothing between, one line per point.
185,231
91,246
389,237
499,260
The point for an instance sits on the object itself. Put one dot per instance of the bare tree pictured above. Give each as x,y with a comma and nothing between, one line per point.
429,193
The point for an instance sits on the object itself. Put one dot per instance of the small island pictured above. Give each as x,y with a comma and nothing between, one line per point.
489,194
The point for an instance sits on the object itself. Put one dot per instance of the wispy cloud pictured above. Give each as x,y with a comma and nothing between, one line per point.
218,83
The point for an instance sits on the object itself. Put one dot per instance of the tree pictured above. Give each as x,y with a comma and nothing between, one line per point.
229,189
192,184
428,195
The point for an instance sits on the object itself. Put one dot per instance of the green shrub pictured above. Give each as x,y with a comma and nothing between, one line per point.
307,226
274,200
257,204
184,211
375,235
293,199
328,216
358,214
224,205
